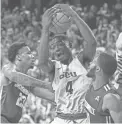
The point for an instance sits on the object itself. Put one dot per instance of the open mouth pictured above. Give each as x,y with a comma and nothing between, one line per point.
33,61
59,55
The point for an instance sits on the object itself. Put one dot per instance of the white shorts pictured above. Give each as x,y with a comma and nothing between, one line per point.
62,121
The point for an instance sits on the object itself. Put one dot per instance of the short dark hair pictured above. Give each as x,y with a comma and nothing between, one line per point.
13,50
107,63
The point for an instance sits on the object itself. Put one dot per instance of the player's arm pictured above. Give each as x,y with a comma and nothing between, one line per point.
43,50
113,103
43,93
23,79
90,47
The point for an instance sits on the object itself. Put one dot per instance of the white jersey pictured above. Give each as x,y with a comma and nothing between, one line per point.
119,57
70,85
119,61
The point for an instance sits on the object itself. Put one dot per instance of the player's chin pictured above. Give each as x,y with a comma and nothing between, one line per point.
61,58
91,74
31,65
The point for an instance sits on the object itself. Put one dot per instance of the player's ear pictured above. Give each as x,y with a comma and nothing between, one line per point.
99,70
18,57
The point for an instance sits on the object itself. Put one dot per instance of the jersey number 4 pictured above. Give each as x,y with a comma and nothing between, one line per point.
69,87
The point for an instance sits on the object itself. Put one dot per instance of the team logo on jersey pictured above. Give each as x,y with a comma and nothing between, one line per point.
68,75
97,98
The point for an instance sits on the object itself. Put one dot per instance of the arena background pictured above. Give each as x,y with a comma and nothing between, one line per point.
20,16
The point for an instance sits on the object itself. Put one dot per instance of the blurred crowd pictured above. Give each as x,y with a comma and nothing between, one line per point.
21,24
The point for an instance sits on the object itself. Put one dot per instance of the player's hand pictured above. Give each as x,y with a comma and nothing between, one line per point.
65,8
47,17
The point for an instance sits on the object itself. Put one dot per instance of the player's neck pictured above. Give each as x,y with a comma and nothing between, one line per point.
21,68
77,48
68,61
99,82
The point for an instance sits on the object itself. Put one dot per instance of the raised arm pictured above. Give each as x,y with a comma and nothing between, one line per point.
113,103
90,47
43,50
23,79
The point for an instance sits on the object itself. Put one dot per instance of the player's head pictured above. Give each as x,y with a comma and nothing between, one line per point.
20,53
61,49
103,66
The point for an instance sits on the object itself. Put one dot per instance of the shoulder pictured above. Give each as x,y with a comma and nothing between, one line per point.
7,73
111,101
111,97
8,66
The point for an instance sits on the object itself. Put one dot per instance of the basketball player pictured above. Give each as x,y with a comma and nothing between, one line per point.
14,94
101,101
68,74
118,75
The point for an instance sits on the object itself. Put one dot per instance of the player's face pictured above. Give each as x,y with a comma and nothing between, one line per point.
26,56
61,52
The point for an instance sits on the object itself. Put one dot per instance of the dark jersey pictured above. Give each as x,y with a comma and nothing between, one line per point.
12,101
93,104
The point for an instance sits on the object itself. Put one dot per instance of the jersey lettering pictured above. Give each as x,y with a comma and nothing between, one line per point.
21,100
67,75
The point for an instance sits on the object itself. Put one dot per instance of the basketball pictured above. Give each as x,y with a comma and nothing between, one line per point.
61,22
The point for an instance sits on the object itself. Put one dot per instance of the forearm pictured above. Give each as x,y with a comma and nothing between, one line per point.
43,93
27,80
43,49
84,29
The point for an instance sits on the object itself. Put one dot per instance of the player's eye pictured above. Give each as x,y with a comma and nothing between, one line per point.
97,68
